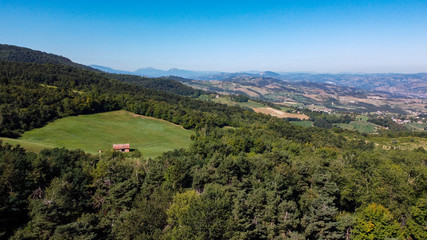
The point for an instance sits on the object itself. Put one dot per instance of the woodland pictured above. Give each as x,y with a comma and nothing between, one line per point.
245,176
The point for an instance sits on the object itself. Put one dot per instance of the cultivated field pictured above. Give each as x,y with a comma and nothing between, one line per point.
280,114
95,132
227,100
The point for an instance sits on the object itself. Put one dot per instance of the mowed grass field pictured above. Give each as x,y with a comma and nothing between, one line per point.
29,146
95,132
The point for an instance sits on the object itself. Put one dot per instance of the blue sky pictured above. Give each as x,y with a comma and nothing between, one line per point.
300,35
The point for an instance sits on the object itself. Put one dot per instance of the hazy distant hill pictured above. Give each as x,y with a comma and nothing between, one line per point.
150,72
313,95
409,85
109,70
153,72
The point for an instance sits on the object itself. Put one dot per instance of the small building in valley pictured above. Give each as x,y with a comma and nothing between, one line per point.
121,147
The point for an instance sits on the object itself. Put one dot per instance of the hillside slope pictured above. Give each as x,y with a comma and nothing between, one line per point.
10,53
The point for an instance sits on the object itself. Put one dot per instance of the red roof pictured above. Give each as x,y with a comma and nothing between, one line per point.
121,146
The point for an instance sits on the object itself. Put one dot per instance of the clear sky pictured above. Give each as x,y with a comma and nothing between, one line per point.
299,35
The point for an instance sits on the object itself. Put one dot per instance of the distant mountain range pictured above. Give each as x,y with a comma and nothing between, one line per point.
409,85
197,75
153,72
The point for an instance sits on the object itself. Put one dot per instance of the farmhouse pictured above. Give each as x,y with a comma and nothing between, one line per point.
121,147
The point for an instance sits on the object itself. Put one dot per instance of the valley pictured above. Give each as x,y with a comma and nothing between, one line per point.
294,97
315,96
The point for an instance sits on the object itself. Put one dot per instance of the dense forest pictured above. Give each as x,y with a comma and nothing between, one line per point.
12,53
325,120
245,176
163,84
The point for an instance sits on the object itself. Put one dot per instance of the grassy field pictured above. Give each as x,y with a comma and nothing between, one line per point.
416,126
362,118
95,132
227,100
361,126
29,146
260,108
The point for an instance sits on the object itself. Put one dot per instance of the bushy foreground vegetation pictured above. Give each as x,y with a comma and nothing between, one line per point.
237,184
245,176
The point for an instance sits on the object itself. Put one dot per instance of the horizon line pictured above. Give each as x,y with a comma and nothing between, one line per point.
259,71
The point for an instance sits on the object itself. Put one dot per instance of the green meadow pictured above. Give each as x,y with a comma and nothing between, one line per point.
361,126
228,101
416,126
95,132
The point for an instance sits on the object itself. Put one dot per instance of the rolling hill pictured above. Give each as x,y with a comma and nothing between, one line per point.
312,95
